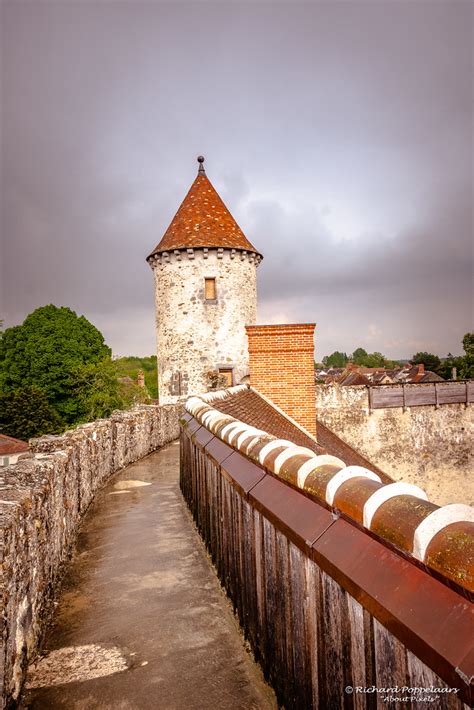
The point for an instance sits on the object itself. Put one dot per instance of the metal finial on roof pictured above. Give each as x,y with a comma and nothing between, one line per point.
200,160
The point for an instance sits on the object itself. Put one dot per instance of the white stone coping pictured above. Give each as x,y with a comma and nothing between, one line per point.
345,474
289,453
384,494
275,444
312,464
436,521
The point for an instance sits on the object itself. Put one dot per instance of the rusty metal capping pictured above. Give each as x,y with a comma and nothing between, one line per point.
466,668
217,450
192,426
244,474
433,621
300,518
202,436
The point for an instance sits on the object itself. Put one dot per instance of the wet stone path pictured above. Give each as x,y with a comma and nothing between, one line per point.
142,621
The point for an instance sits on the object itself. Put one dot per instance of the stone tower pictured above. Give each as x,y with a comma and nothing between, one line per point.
205,272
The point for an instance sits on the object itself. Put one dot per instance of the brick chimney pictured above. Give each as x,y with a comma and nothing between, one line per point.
282,368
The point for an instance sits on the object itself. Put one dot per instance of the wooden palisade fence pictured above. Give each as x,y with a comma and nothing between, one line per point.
331,612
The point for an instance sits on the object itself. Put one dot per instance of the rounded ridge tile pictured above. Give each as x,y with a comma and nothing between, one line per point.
233,432
228,428
345,474
311,464
273,445
289,453
387,492
436,521
245,435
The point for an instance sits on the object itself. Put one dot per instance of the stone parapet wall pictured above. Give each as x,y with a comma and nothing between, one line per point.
42,500
428,446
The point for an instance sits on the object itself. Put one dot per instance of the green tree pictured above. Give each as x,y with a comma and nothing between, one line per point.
358,356
446,368
336,359
466,370
96,390
26,412
430,361
46,352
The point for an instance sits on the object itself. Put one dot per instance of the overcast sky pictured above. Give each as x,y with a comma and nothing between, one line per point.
339,134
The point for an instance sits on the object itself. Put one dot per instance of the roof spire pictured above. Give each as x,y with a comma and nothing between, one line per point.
200,160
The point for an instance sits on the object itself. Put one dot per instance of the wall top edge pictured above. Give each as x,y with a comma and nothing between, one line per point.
399,514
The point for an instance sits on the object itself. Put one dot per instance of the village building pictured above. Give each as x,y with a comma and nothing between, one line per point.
11,449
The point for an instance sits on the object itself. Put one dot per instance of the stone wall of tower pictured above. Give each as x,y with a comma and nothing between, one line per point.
195,336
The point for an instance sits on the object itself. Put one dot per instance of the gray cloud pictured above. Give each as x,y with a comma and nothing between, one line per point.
339,135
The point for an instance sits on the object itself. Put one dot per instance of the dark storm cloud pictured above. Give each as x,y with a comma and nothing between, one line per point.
339,134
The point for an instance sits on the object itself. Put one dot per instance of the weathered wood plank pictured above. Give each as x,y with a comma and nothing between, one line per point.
259,583
299,648
284,626
312,608
337,648
359,640
391,666
423,677
416,396
386,397
421,394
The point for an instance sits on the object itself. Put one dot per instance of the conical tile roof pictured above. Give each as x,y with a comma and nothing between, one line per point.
203,220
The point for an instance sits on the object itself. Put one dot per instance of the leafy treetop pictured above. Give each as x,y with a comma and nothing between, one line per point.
46,352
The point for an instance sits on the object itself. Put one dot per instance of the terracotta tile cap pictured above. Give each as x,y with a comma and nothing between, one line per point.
345,474
313,464
451,552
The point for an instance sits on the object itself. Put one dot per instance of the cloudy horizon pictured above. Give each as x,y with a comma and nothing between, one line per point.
339,135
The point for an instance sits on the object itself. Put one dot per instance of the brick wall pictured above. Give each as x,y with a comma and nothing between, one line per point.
282,368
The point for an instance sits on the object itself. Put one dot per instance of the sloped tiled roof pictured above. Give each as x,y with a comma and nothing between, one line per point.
9,445
249,407
203,220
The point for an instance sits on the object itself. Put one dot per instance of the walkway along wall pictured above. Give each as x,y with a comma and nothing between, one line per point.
426,445
42,502
328,608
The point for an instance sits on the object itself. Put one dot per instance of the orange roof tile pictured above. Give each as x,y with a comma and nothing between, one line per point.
9,445
203,220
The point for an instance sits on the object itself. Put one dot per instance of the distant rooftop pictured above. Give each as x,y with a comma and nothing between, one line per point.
9,445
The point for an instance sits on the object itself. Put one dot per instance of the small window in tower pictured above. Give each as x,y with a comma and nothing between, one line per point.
210,293
225,374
